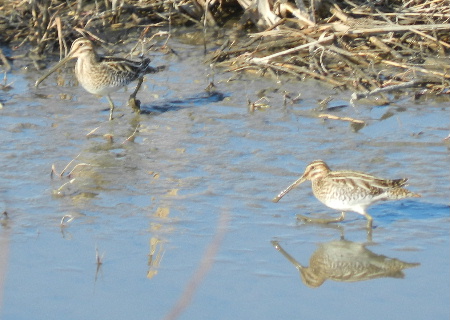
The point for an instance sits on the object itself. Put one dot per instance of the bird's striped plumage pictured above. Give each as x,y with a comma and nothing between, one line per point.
349,190
103,75
346,261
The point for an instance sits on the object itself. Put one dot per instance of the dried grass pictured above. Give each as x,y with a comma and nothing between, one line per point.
359,45
353,45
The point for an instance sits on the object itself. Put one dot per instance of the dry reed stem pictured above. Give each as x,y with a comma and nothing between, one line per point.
405,30
5,61
330,116
395,28
92,131
54,171
65,222
131,137
357,46
418,69
266,59
69,175
422,34
58,191
404,85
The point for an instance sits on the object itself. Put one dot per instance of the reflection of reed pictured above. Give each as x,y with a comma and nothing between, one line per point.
155,256
156,244
5,228
206,264
346,261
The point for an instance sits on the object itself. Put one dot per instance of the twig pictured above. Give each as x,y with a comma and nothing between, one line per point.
423,70
62,43
395,28
64,222
266,59
65,168
357,96
258,104
58,192
98,257
330,116
422,34
92,131
5,61
99,262
381,45
76,166
132,136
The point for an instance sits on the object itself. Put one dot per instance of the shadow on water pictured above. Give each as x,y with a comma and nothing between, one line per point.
388,213
345,261
174,105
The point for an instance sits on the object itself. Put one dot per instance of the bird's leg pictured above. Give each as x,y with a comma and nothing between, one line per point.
132,102
369,235
369,226
369,220
320,220
111,107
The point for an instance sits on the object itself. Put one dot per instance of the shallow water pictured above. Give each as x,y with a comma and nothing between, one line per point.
182,208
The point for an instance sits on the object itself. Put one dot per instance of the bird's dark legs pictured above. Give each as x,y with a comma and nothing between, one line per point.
132,102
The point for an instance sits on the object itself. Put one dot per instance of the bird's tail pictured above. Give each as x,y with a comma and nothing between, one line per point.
147,68
399,182
155,70
401,193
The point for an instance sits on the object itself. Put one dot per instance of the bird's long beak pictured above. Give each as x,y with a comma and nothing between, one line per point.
282,193
53,69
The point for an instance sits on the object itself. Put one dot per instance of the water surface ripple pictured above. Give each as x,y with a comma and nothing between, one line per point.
148,193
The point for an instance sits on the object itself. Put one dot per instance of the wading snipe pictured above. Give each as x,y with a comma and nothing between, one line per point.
348,190
104,75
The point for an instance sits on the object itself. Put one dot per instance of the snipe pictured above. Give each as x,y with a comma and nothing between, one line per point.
348,190
103,75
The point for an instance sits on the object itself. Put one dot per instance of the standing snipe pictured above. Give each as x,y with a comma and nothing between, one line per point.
103,75
348,190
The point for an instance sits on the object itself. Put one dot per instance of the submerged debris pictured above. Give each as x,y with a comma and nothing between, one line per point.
66,219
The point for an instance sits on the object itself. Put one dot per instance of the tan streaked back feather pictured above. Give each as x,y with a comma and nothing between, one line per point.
324,180
354,179
121,65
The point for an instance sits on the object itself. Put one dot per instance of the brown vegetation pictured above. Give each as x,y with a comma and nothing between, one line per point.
367,46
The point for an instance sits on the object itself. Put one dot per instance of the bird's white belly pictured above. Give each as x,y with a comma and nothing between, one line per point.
358,206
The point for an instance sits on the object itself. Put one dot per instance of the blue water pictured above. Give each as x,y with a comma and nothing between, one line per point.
202,165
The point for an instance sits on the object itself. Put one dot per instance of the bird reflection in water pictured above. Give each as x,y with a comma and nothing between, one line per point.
346,261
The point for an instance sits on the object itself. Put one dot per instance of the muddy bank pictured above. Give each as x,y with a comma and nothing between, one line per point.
395,45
